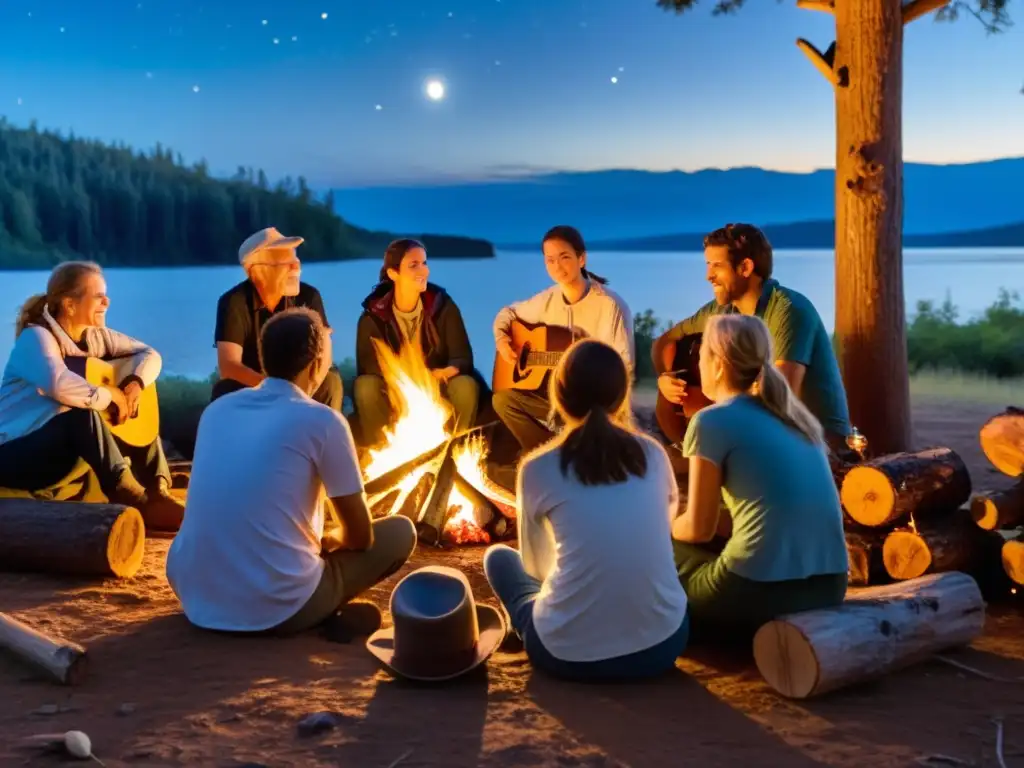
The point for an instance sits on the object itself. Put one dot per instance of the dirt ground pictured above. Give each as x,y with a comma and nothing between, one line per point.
161,693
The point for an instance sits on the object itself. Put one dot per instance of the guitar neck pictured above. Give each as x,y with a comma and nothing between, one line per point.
543,359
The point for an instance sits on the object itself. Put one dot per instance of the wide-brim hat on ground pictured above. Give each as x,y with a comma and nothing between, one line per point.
438,632
263,240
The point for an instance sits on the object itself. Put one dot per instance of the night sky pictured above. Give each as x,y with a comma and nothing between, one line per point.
336,89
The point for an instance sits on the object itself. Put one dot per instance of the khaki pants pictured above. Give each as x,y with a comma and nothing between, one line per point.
348,574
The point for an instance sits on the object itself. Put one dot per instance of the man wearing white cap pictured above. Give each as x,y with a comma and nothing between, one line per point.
272,285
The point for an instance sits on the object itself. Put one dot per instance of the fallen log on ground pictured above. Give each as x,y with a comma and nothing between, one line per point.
875,631
937,546
1002,440
1013,559
893,488
864,551
72,538
993,510
61,659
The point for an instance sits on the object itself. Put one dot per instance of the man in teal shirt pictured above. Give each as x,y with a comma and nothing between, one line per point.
739,268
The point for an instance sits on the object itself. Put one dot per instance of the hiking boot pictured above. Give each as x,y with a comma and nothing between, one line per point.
129,491
163,511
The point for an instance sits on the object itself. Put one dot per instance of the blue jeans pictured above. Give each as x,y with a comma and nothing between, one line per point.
517,591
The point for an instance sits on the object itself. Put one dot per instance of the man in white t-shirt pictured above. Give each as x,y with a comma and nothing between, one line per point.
252,554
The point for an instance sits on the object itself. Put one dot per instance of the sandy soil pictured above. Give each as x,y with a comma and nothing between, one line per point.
161,693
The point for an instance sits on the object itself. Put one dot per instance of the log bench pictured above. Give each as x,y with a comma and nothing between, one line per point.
875,631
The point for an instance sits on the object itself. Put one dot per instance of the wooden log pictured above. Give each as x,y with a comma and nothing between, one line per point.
413,503
484,510
1013,559
72,538
385,482
435,511
1002,440
993,510
952,544
889,489
875,631
864,551
62,660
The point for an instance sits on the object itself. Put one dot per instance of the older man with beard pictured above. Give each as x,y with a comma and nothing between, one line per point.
739,268
272,285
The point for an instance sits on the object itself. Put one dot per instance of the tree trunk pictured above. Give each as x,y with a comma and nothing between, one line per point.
72,538
875,631
870,307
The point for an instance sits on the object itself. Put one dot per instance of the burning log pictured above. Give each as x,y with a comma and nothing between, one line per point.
993,510
385,482
484,510
413,503
864,551
901,486
875,631
936,546
62,660
1013,558
1002,440
435,510
382,503
72,538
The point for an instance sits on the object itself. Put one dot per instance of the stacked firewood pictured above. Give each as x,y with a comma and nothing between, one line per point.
909,514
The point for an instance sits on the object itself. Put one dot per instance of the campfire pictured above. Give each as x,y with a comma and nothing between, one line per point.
423,470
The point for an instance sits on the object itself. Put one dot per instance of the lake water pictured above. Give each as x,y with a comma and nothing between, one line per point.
174,309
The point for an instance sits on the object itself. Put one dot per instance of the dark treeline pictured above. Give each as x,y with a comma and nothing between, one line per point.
66,197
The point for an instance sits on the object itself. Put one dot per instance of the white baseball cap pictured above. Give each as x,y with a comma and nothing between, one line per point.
264,239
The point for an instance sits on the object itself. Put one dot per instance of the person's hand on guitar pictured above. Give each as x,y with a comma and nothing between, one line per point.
508,354
672,389
132,392
119,412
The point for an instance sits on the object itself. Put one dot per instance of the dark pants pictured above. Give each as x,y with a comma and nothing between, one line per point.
370,397
347,574
331,392
43,458
725,606
525,414
518,591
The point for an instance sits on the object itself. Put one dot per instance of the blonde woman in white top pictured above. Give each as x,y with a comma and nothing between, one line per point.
593,590
50,416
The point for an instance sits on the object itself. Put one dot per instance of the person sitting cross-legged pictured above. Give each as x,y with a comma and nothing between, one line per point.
592,591
762,452
254,553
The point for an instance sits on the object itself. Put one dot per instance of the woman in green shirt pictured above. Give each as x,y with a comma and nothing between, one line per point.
759,451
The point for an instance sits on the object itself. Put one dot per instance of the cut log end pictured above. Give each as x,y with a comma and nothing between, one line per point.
786,659
870,493
1013,560
126,544
906,555
1002,440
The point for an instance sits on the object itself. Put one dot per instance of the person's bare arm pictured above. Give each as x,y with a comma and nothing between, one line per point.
794,374
230,366
699,523
356,530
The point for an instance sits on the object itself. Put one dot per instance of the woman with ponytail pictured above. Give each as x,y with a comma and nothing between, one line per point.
50,416
761,452
593,592
404,308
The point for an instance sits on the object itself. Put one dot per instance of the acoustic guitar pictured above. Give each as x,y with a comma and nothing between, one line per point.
140,430
538,349
683,359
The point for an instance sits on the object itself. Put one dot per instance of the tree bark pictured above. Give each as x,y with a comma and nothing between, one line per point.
1002,440
875,631
870,307
864,551
903,486
71,538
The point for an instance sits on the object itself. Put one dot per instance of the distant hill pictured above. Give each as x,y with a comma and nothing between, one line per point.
621,204
814,235
62,197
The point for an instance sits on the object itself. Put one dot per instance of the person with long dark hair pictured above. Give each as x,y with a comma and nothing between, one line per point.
759,450
593,591
405,308
580,302
50,416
